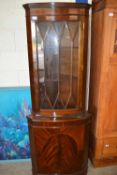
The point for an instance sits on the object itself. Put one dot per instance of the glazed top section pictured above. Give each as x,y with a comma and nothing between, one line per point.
57,45
56,8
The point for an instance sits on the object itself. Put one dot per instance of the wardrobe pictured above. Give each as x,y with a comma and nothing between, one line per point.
103,83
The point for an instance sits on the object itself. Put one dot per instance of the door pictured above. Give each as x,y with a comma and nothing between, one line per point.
110,117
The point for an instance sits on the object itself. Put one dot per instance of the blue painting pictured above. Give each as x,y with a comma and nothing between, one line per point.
15,105
82,1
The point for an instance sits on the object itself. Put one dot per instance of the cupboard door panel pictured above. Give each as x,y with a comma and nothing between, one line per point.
110,123
110,117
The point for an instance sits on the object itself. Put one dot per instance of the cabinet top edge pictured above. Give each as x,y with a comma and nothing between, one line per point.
101,4
56,5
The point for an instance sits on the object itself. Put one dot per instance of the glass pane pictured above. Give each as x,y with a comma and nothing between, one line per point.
57,48
65,65
41,66
51,63
76,79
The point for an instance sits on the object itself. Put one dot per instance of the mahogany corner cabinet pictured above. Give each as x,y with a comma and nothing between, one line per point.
57,35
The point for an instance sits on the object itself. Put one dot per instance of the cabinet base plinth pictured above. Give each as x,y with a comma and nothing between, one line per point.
59,147
84,172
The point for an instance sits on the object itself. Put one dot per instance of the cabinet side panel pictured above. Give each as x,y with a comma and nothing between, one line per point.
96,62
110,123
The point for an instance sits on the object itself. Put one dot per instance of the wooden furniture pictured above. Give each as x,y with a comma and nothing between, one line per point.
57,50
103,86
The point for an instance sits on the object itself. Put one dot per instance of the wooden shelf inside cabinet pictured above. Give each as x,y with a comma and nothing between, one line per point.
57,35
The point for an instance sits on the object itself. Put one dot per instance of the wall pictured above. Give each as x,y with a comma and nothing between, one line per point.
13,45
13,55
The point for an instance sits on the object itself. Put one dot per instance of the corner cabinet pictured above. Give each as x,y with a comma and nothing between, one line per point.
57,51
103,96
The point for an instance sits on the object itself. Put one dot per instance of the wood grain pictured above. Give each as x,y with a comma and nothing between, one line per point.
103,101
60,148
101,4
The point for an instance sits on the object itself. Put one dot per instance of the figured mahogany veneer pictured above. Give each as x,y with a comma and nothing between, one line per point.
103,86
59,146
57,36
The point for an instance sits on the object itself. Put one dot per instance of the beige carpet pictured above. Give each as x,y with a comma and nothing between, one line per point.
24,168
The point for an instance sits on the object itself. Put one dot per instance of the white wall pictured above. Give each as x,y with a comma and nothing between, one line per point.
13,44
